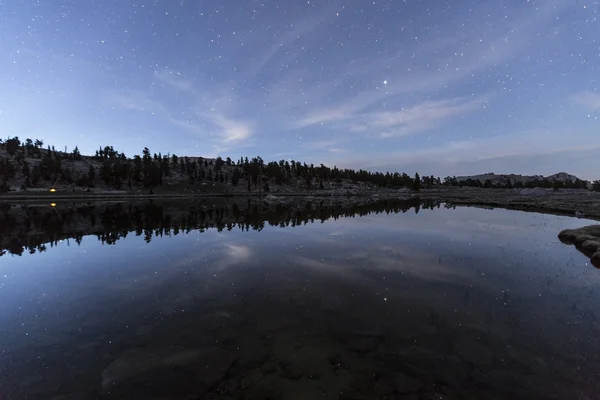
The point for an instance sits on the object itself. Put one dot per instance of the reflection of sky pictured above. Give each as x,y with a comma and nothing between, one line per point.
427,256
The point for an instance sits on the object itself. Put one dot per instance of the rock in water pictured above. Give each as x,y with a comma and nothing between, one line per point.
586,239
591,246
596,259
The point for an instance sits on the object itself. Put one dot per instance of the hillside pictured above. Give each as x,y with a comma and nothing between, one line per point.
28,166
562,179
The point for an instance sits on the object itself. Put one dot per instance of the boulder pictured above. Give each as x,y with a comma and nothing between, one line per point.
586,239
596,259
590,246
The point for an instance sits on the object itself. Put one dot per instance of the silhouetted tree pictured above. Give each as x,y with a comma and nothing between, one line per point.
12,145
417,183
76,154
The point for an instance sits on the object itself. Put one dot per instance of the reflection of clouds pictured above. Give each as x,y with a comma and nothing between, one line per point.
200,273
238,252
380,258
231,255
193,262
463,224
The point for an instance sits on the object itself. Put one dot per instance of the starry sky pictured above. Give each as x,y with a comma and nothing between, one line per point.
445,88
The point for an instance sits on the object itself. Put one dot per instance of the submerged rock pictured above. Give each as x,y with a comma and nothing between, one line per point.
405,384
586,240
137,366
474,352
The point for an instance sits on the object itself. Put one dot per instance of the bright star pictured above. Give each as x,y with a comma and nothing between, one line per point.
385,82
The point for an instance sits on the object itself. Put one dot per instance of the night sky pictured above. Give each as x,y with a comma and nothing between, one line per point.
438,87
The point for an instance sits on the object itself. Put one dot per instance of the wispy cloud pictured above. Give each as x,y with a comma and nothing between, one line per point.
434,65
326,115
208,113
298,30
227,130
133,100
188,125
589,100
532,152
174,80
419,118
231,130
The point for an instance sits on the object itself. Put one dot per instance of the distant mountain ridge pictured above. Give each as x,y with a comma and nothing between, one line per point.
514,178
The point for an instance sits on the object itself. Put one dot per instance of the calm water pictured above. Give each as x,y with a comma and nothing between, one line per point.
436,304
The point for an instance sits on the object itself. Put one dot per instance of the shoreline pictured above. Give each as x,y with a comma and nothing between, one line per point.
582,204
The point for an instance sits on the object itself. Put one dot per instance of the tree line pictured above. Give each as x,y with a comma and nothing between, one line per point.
152,170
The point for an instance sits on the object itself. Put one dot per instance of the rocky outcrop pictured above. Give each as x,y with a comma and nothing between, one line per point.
586,240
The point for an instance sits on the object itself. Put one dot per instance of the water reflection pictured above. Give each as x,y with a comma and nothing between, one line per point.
30,228
440,304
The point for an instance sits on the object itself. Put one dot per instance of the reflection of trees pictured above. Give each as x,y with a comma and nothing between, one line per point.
32,228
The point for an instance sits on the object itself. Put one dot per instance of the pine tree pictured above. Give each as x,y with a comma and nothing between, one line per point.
76,154
417,183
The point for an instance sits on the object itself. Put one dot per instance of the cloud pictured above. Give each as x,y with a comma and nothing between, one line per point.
133,100
188,125
239,252
589,100
520,152
208,117
299,29
227,129
231,130
434,65
418,118
174,80
324,116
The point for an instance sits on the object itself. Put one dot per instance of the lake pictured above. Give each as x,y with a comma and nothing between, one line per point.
392,299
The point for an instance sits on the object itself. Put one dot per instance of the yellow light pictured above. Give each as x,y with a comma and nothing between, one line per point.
52,204
53,190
